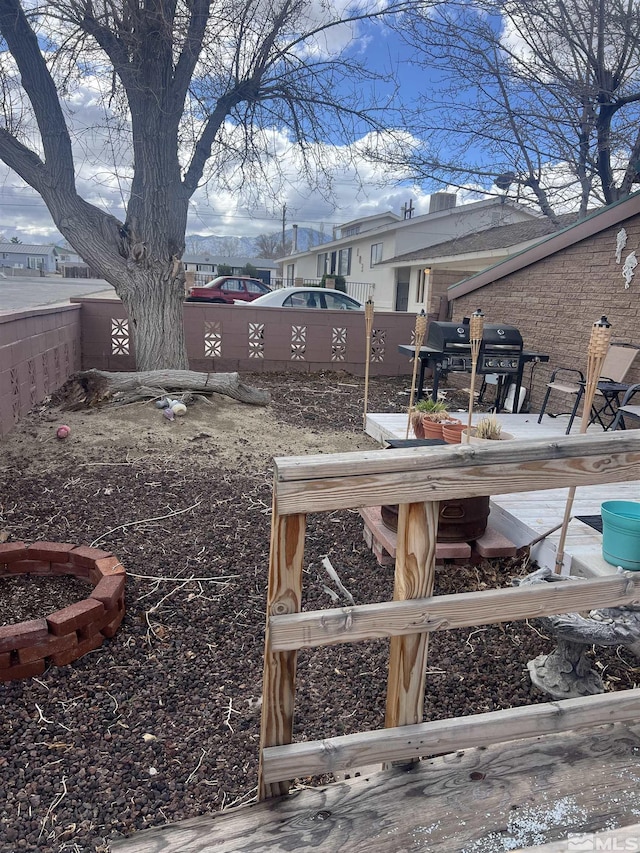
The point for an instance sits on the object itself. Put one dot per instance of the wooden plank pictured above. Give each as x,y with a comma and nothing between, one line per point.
387,538
429,459
284,596
625,838
499,477
407,743
415,572
443,612
494,544
489,800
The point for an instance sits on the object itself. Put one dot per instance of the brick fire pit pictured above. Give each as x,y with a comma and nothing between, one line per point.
70,633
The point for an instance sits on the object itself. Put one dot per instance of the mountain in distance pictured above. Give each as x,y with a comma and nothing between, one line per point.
252,247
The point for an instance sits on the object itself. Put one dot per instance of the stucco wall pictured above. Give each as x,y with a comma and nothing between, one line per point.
39,350
555,301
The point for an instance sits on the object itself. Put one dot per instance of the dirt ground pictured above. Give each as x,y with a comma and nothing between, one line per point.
162,722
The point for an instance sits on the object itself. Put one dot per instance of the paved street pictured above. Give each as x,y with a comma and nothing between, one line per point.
21,293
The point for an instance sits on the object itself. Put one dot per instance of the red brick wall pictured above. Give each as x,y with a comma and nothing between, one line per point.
39,350
555,302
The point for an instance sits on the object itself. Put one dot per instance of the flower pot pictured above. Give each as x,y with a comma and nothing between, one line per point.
621,534
473,439
432,429
452,431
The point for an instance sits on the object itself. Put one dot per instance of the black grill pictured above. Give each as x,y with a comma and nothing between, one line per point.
500,350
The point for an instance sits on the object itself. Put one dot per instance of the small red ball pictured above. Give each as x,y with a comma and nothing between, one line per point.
63,431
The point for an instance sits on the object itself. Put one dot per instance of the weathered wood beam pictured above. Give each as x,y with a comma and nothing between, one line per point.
279,680
439,473
414,576
443,612
343,753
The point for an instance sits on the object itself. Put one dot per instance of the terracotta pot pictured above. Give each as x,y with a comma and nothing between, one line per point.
451,431
432,429
504,436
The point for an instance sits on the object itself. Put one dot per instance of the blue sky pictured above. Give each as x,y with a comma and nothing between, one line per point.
24,215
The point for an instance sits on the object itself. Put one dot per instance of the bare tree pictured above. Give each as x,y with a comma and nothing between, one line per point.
543,95
197,84
270,246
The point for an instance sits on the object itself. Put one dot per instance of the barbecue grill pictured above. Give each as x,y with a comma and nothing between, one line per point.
448,349
500,349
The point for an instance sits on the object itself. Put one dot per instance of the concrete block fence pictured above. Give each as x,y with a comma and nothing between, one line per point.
223,338
26,648
39,350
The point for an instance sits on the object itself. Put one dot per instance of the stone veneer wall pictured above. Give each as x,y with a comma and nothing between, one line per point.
223,338
39,350
555,301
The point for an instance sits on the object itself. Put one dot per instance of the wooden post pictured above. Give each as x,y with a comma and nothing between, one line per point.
418,338
415,571
279,680
368,322
476,330
596,354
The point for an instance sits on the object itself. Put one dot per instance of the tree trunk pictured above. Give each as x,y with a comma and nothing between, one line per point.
90,387
154,303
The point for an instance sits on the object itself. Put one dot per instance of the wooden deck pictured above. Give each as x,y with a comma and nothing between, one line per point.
523,517
481,800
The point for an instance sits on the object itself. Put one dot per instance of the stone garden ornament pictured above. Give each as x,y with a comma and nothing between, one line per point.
566,673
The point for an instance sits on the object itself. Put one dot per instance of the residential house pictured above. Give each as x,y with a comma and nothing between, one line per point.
207,266
360,251
27,257
556,289
436,267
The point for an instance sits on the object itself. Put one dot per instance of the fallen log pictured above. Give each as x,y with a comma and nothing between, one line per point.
93,387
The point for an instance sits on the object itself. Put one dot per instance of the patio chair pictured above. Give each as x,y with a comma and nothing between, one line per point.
570,381
625,410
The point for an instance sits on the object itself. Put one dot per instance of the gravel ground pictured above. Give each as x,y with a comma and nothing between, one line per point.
162,722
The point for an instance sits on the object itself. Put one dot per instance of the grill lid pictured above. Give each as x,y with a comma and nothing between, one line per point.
454,337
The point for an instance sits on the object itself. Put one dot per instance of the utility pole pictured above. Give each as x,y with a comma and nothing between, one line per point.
284,225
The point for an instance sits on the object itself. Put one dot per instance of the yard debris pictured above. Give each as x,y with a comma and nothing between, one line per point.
326,564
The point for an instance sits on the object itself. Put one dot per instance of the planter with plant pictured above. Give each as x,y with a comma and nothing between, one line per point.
487,429
429,418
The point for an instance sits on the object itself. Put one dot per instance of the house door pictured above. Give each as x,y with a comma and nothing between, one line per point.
402,290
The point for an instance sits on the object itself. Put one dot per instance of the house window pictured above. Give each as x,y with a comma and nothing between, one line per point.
344,262
34,263
291,273
323,262
351,231
376,253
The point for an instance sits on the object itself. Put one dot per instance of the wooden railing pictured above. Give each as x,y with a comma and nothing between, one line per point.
418,479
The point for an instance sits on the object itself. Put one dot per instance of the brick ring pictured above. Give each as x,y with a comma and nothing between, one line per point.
70,633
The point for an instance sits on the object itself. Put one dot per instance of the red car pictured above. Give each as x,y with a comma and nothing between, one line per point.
230,289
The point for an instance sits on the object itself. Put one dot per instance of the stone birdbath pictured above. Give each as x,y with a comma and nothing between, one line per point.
566,673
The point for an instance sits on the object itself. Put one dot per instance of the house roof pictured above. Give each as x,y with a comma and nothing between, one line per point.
498,237
27,248
424,218
598,221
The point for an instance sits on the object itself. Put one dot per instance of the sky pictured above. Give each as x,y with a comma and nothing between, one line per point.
372,189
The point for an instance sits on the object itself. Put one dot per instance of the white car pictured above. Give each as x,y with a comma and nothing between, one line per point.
307,297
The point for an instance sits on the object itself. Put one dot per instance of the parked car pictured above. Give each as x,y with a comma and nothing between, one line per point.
230,289
308,297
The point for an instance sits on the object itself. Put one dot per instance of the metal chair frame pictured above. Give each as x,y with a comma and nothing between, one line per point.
610,385
625,410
